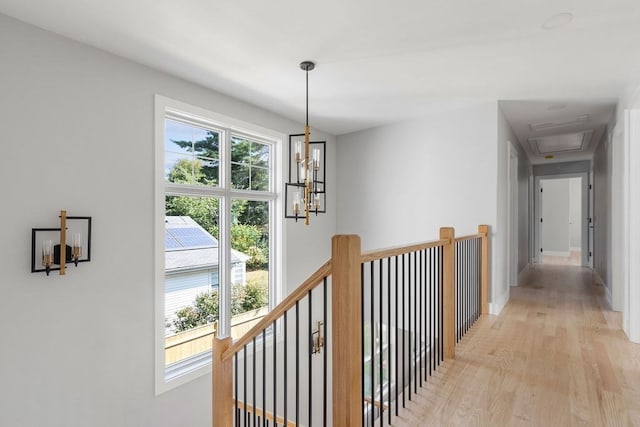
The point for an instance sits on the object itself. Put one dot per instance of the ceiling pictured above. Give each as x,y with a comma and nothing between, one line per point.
377,61
565,130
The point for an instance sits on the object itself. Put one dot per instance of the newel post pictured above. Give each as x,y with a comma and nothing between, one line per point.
222,387
346,330
448,292
484,269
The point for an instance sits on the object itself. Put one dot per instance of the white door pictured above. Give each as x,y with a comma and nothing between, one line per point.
555,229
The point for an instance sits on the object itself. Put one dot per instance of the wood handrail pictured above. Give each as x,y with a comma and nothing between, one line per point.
399,250
301,291
470,237
267,415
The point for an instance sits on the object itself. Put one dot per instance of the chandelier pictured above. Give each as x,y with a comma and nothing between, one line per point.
305,191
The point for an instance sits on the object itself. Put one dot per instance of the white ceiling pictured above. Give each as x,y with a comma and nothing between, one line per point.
377,61
561,118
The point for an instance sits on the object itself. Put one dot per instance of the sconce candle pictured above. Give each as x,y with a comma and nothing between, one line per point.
76,250
298,151
47,253
296,204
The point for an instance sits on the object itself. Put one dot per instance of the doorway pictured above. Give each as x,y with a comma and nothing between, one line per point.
562,212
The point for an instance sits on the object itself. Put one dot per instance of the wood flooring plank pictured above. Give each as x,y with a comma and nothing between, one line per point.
556,356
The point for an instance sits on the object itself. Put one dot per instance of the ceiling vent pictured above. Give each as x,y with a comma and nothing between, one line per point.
565,143
539,127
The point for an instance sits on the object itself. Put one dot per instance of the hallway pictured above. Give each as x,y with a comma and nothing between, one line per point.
554,357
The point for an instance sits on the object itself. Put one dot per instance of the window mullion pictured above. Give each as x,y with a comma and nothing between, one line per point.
225,236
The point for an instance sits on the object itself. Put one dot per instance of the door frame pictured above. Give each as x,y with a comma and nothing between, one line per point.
586,214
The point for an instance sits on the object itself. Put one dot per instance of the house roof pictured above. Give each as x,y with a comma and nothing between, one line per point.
188,246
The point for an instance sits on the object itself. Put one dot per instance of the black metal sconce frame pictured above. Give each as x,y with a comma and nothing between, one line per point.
57,258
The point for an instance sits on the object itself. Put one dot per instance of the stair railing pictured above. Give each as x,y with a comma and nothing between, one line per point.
395,315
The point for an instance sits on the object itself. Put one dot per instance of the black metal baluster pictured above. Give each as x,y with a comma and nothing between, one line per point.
297,363
389,346
470,302
285,371
396,329
423,310
364,405
244,384
409,323
415,322
419,254
463,268
467,286
324,355
457,286
478,255
441,314
373,341
470,290
253,401
381,301
404,366
432,313
310,378
264,376
235,381
275,372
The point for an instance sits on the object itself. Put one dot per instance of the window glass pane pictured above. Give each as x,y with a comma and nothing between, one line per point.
250,264
240,150
191,277
178,168
249,154
259,179
191,154
240,176
260,154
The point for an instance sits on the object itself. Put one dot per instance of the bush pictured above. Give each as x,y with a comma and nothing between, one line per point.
258,258
205,308
256,295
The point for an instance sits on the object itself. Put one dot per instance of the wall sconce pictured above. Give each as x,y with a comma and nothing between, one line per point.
317,340
43,242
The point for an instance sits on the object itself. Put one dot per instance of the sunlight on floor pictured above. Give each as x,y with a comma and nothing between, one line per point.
575,258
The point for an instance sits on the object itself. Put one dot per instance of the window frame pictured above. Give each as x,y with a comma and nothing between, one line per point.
166,108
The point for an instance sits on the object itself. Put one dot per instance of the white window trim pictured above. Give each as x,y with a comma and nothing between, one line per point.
164,105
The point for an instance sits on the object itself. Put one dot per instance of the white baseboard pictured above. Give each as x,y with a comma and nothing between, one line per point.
496,307
607,291
575,248
556,253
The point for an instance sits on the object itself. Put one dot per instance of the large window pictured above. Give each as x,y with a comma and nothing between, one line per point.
216,214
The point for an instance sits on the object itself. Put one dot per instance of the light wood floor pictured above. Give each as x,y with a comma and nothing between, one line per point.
554,357
574,258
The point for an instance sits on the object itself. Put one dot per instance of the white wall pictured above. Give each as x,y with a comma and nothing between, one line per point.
575,214
524,177
625,210
401,183
602,211
77,134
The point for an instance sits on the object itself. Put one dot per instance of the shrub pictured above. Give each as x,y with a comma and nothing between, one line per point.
205,308
258,258
256,295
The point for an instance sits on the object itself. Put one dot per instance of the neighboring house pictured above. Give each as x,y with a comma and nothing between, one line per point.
191,263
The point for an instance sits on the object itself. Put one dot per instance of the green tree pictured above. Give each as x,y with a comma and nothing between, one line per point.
207,150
